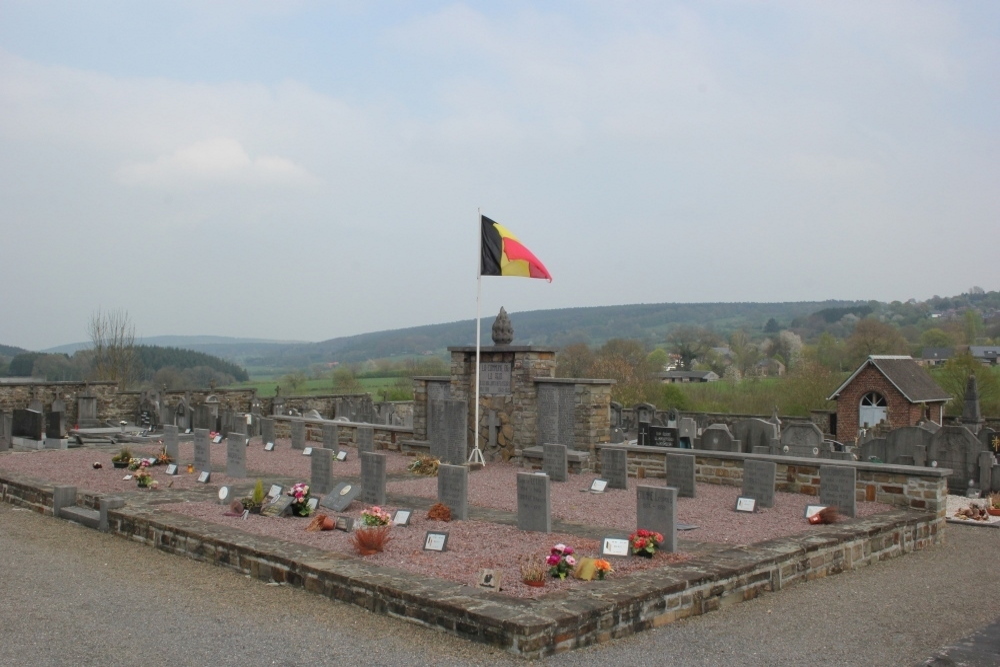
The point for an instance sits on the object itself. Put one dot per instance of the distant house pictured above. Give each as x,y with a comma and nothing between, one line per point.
935,356
893,389
987,354
671,377
770,367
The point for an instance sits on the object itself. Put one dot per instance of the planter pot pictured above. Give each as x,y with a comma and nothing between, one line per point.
993,511
644,554
535,584
120,464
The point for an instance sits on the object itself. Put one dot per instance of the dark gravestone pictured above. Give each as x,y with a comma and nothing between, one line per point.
86,410
205,417
643,438
365,439
266,430
614,467
278,507
687,432
663,436
837,488
955,447
28,424
534,511
556,413
202,453
456,432
55,425
756,433
170,442
372,478
436,431
236,455
554,462
298,434
717,438
331,437
904,442
802,440
758,481
681,475
656,510
6,431
321,470
453,489
341,497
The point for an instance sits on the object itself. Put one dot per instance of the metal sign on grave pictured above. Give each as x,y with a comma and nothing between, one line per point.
495,379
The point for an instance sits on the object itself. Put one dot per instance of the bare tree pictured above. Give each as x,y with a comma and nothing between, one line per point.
115,358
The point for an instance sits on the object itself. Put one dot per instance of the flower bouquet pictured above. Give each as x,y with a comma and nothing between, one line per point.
644,542
602,567
560,561
376,516
142,477
300,506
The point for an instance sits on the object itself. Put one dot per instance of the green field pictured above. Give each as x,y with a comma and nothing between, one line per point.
265,387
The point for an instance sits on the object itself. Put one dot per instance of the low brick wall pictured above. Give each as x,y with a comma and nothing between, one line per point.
386,437
913,487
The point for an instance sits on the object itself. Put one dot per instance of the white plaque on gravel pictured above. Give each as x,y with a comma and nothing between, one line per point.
814,509
217,439
435,541
613,546
204,477
598,485
342,455
402,517
269,447
171,469
744,504
274,491
308,451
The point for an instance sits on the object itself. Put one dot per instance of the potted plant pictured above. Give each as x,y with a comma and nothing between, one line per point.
560,561
532,574
300,506
644,542
121,459
255,501
993,504
142,477
376,516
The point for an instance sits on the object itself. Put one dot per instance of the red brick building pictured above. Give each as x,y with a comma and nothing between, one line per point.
891,389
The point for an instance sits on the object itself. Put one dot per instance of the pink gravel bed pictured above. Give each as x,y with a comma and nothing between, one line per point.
495,486
472,546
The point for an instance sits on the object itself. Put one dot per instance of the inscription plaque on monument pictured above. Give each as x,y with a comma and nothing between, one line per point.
495,379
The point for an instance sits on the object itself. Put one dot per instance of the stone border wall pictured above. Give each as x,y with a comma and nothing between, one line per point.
595,613
386,437
914,487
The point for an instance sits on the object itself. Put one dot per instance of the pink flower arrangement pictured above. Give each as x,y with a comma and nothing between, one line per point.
376,516
300,494
560,561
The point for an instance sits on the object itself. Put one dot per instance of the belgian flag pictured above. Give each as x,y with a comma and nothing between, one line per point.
503,254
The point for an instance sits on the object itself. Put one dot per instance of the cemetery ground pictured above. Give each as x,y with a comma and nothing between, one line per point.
488,539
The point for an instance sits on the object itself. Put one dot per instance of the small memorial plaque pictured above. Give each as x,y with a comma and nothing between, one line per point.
245,514
274,491
494,379
745,504
344,523
342,455
598,485
341,497
269,447
814,509
435,541
223,493
402,517
217,439
313,502
277,507
614,546
127,477
171,469
204,477
187,430
489,579
308,451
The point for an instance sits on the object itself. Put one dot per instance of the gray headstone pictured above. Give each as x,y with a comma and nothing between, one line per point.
28,424
680,474
554,462
55,425
717,438
456,432
903,442
170,442
837,487
453,489
372,478
656,509
298,434
202,453
62,497
556,414
986,463
236,455
86,410
955,447
663,436
341,497
614,467
534,510
266,430
436,431
802,439
687,431
321,469
5,431
366,439
758,481
331,436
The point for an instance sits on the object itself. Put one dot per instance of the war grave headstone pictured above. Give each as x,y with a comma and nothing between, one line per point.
837,488
534,511
321,470
643,438
365,439
331,437
717,438
266,430
663,436
453,489
456,432
758,481
656,510
372,478
170,442
687,432
955,447
28,424
801,439
614,467
342,495
556,411
681,474
437,394
554,462
298,429
236,455
202,450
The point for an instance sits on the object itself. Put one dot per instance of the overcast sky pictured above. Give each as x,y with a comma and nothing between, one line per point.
306,170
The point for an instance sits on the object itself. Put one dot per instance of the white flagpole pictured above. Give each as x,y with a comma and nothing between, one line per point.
476,456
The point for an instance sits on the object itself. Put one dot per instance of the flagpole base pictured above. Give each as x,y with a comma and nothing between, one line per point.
476,458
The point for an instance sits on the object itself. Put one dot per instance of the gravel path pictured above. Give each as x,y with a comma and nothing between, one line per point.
74,596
